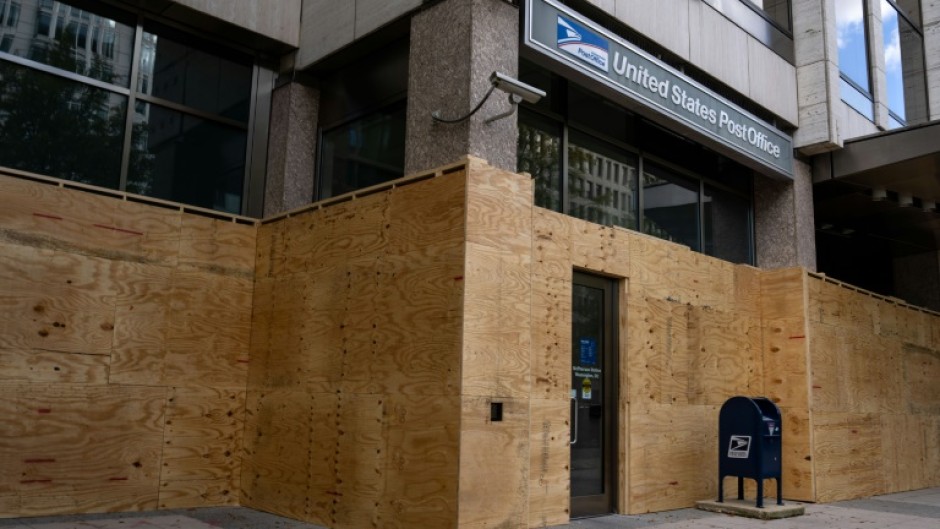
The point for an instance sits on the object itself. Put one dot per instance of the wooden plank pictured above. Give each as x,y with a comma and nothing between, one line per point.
829,363
848,456
783,293
489,449
499,209
203,434
422,462
725,360
673,456
497,323
275,475
52,367
139,347
361,460
785,362
903,447
441,221
549,459
216,245
193,494
551,337
551,244
921,371
658,360
81,447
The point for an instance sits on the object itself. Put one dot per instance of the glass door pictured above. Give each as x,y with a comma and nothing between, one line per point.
593,396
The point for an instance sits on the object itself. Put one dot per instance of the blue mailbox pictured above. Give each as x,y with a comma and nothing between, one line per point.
749,444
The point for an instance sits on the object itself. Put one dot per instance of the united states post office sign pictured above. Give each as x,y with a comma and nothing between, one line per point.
575,41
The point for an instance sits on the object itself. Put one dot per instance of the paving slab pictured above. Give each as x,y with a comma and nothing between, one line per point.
748,508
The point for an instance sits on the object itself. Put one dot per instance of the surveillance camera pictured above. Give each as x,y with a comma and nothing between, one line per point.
515,87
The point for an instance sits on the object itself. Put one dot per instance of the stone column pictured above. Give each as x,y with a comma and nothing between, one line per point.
292,146
817,76
783,220
876,53
931,13
455,46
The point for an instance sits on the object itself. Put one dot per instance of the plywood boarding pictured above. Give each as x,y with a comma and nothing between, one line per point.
692,335
875,407
353,413
116,317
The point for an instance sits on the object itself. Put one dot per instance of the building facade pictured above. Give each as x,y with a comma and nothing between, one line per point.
716,198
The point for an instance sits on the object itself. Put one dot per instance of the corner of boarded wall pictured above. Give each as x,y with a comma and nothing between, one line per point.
496,350
875,398
124,334
787,343
354,401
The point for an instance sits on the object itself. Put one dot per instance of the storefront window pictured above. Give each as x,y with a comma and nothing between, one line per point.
585,155
601,182
670,206
726,225
904,63
363,153
539,154
66,90
853,56
363,115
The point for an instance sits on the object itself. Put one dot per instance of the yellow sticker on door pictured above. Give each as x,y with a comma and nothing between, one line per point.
586,389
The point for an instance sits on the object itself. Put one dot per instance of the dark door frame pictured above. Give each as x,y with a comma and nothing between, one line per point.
586,506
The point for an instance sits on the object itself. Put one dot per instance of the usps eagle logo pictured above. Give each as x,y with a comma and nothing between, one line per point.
582,43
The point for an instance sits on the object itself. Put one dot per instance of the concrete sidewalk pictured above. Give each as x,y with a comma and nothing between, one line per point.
908,510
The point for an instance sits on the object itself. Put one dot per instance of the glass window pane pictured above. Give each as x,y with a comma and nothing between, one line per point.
52,126
539,154
183,158
904,67
56,34
776,10
601,183
191,76
852,39
725,225
670,206
856,99
365,152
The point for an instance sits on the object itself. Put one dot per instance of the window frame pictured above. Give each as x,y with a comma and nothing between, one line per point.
261,87
559,117
844,77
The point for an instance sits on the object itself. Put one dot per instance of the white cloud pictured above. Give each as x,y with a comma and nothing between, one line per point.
893,50
849,18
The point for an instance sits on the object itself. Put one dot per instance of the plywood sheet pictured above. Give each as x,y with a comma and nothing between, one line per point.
84,446
494,449
673,456
422,462
551,337
848,456
549,460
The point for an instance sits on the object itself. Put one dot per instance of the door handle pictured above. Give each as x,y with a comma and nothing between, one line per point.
574,413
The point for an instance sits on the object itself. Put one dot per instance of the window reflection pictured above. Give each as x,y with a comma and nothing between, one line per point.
365,152
180,157
184,74
539,154
725,225
853,55
53,126
670,206
66,37
904,67
601,183
776,10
